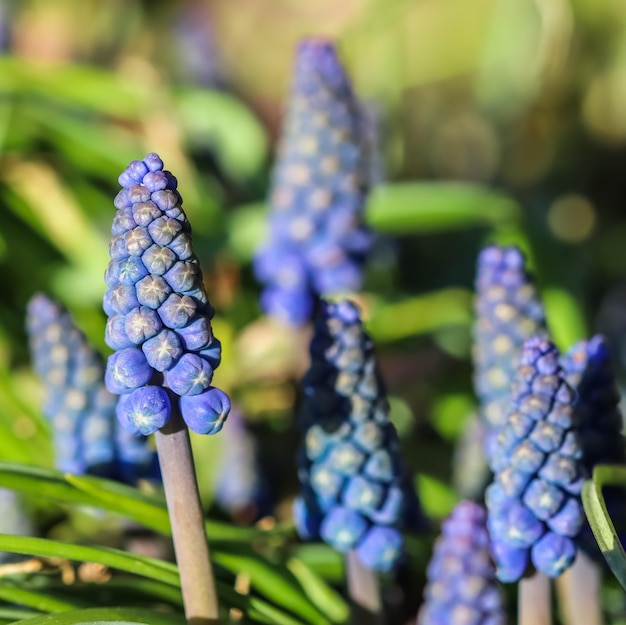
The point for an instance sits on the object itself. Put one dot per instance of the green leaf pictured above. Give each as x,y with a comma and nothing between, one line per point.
217,119
322,559
246,229
567,323
600,520
114,616
273,581
435,206
13,614
320,593
41,482
149,510
31,599
273,584
85,87
397,208
119,590
421,314
437,497
131,563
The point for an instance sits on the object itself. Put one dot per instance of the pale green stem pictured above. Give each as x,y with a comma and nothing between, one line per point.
534,601
364,592
579,592
187,520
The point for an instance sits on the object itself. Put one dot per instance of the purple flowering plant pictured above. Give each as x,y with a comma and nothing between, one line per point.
322,499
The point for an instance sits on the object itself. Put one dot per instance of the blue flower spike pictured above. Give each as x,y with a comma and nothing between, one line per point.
461,576
588,369
535,511
317,240
508,311
159,315
165,355
355,493
80,410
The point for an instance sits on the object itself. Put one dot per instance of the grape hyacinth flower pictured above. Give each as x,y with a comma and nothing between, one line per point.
159,316
317,241
598,420
535,512
355,494
81,412
165,354
461,576
508,311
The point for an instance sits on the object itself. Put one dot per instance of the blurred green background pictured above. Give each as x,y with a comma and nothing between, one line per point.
494,121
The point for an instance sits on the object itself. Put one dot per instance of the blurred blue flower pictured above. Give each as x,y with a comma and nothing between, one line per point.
80,410
508,311
461,576
355,492
317,241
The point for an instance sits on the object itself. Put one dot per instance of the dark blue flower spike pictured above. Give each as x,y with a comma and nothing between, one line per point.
317,241
461,576
535,511
597,417
508,311
159,316
355,493
81,412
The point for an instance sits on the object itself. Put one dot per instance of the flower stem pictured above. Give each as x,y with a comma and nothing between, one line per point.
534,601
185,511
364,591
579,592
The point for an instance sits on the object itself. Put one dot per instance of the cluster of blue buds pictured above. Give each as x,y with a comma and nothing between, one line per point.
461,584
598,419
81,412
317,241
159,316
355,493
508,311
535,511
241,485
588,370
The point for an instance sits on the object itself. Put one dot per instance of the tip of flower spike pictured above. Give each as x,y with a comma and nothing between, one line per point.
461,575
318,54
41,309
505,257
148,174
540,353
598,349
